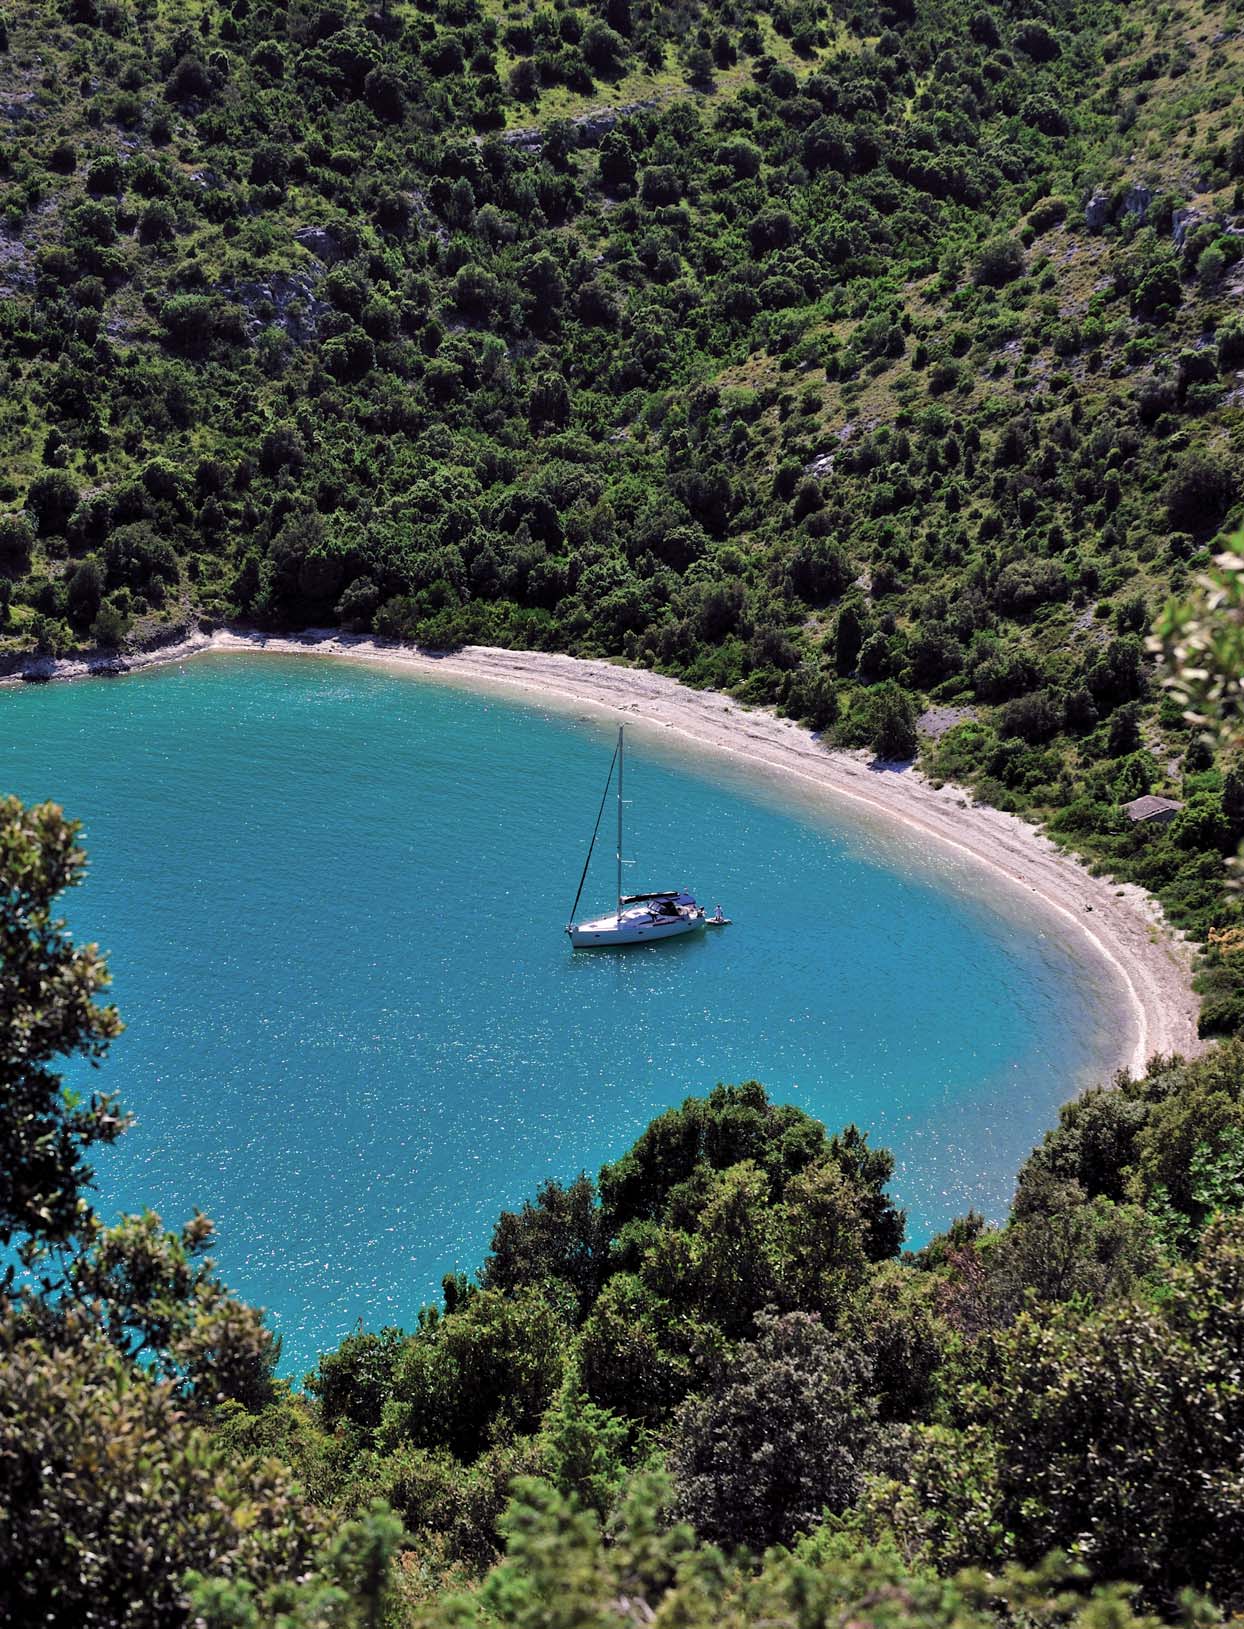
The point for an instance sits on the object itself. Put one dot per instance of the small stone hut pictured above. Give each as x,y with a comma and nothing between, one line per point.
1152,810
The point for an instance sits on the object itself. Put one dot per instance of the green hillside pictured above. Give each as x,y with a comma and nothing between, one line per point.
860,361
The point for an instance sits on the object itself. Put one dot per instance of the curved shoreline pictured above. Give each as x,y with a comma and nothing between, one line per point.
1149,963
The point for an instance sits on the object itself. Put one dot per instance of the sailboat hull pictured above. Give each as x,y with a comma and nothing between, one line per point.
632,928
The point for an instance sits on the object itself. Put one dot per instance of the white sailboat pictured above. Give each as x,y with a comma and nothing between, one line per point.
638,918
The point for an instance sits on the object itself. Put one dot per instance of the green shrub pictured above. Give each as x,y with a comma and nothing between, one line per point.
999,261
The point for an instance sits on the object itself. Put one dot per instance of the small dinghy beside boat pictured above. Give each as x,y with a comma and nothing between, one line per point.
638,918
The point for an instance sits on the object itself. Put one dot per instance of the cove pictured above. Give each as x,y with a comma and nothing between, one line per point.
333,898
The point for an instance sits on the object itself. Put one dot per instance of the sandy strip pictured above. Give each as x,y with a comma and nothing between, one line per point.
1148,963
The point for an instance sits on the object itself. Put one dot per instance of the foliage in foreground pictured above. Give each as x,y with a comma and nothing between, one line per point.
48,1010
119,1345
707,1389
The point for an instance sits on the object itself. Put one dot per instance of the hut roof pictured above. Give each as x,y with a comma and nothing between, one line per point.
1151,807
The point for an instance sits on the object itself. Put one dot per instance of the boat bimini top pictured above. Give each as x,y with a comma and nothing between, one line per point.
677,896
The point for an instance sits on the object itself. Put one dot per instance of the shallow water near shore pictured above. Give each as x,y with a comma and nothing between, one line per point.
334,897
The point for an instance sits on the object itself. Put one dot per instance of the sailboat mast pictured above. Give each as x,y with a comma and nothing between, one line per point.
621,756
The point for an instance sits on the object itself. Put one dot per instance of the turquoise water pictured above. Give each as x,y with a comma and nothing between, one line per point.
334,899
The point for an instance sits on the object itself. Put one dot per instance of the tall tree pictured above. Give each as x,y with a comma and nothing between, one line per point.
49,1011
781,1442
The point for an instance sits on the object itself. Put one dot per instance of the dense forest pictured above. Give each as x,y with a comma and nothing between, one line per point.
707,1388
881,363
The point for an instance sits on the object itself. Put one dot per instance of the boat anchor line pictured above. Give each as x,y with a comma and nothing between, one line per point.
638,918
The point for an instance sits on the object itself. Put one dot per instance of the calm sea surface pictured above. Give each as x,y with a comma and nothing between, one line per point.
334,898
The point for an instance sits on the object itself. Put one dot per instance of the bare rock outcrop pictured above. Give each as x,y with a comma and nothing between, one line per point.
320,241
